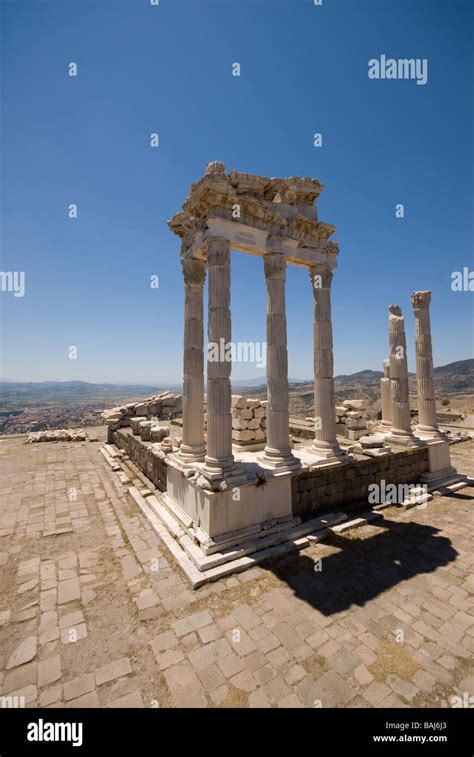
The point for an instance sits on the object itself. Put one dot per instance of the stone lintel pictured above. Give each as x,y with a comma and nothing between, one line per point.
255,241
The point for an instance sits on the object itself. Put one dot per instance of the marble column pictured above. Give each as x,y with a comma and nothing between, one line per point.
277,451
219,459
401,432
193,447
427,424
386,402
325,445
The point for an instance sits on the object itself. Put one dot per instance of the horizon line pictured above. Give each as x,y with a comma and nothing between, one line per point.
147,382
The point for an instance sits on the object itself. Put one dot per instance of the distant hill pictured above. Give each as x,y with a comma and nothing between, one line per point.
453,377
367,377
457,377
42,393
259,381
448,379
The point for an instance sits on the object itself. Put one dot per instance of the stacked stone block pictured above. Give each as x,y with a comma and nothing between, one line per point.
249,420
151,431
164,406
351,419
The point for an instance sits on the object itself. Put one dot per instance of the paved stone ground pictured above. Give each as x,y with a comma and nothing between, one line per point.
94,612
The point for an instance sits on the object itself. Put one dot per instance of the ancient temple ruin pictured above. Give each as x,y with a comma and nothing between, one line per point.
221,507
277,220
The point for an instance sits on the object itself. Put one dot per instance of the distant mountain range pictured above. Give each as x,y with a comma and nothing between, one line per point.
14,393
368,377
261,381
452,378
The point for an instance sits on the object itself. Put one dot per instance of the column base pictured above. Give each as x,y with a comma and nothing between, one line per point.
229,480
430,433
383,428
443,477
403,439
440,472
191,454
224,473
217,468
328,454
279,461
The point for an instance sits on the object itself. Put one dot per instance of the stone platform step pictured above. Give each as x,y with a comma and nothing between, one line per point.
363,520
203,559
200,568
112,461
447,481
263,539
448,488
230,540
418,496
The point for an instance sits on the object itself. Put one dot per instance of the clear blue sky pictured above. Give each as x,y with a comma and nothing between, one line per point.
168,69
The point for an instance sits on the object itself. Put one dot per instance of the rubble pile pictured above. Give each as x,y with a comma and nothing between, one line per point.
57,435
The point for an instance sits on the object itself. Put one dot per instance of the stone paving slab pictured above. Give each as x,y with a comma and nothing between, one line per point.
94,613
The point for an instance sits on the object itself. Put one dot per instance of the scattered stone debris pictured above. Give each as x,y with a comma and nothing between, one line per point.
454,437
57,435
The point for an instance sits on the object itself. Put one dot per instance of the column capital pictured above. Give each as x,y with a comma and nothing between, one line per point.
421,300
274,265
320,276
217,250
194,271
395,311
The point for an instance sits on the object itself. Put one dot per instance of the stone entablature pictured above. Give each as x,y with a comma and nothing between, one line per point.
255,212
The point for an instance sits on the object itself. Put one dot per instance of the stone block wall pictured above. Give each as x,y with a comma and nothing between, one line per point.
323,489
148,457
249,420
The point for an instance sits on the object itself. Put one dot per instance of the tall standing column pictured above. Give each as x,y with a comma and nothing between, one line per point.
400,432
277,451
325,444
427,424
386,402
219,458
193,448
